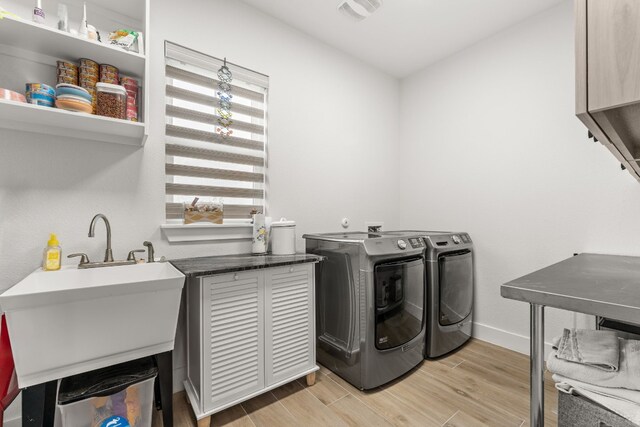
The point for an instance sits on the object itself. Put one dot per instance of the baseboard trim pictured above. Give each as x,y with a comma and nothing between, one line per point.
506,339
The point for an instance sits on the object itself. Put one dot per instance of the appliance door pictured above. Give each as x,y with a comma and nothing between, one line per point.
336,303
456,286
399,300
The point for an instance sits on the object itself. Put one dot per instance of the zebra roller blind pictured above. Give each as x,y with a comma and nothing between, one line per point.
201,162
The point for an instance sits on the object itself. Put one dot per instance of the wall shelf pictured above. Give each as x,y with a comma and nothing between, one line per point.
53,121
50,42
203,232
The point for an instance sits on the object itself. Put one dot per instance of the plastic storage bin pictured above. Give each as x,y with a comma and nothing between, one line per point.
625,330
117,396
577,411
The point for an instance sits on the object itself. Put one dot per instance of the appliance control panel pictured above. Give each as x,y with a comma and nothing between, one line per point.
453,240
410,245
416,242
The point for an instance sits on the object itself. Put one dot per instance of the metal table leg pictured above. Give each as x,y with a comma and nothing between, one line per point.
537,365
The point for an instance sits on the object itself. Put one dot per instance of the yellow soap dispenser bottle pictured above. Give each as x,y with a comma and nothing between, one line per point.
52,257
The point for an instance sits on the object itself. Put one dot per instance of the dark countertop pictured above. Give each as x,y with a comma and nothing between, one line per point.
206,266
602,285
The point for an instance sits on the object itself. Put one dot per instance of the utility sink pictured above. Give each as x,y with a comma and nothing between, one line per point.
71,321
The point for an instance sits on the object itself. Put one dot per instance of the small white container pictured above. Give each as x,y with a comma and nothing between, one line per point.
92,33
283,237
259,242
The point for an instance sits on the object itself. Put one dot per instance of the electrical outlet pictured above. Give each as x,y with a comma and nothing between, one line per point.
374,226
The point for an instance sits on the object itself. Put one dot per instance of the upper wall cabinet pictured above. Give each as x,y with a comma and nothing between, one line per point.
608,75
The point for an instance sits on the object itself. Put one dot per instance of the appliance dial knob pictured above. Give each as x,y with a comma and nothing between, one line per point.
402,244
456,239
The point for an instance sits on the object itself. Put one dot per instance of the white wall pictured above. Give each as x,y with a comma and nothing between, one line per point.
333,126
491,145
333,131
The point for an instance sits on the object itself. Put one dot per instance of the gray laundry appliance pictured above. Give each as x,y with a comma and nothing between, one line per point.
449,288
370,316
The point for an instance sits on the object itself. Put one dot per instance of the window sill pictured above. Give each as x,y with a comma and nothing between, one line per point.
203,232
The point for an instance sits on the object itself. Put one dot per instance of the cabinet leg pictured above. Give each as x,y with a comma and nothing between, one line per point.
205,422
311,379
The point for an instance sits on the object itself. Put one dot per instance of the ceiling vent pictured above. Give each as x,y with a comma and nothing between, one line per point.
357,10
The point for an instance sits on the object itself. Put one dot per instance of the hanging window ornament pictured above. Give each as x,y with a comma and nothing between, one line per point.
224,101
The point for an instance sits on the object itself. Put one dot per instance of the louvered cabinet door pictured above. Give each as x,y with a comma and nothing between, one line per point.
290,320
234,337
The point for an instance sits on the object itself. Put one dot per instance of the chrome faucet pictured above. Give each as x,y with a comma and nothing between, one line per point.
108,253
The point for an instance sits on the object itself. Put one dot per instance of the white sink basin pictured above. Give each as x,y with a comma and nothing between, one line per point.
70,321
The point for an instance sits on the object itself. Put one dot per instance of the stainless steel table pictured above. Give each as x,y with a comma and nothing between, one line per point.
602,285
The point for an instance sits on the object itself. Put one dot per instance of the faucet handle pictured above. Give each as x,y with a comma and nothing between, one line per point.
84,259
132,254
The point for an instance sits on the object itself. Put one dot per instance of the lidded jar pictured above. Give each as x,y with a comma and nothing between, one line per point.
112,100
283,237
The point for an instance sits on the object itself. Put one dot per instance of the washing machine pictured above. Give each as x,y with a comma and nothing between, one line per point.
449,289
370,314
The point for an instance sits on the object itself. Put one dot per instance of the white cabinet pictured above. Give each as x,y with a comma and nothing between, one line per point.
289,322
234,307
248,332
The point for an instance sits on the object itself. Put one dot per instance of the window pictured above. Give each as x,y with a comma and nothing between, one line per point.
200,162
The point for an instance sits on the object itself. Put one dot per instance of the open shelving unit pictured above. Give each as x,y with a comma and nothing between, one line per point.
37,47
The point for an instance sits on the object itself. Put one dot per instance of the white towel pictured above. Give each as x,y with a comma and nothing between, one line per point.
625,403
627,376
599,349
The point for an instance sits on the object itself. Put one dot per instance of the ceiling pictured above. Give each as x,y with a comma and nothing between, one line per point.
403,36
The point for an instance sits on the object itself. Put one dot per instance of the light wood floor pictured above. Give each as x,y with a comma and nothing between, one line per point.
480,385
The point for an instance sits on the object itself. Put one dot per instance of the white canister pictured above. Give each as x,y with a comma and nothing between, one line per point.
283,237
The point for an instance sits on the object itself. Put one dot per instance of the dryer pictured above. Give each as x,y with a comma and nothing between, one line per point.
449,289
450,283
